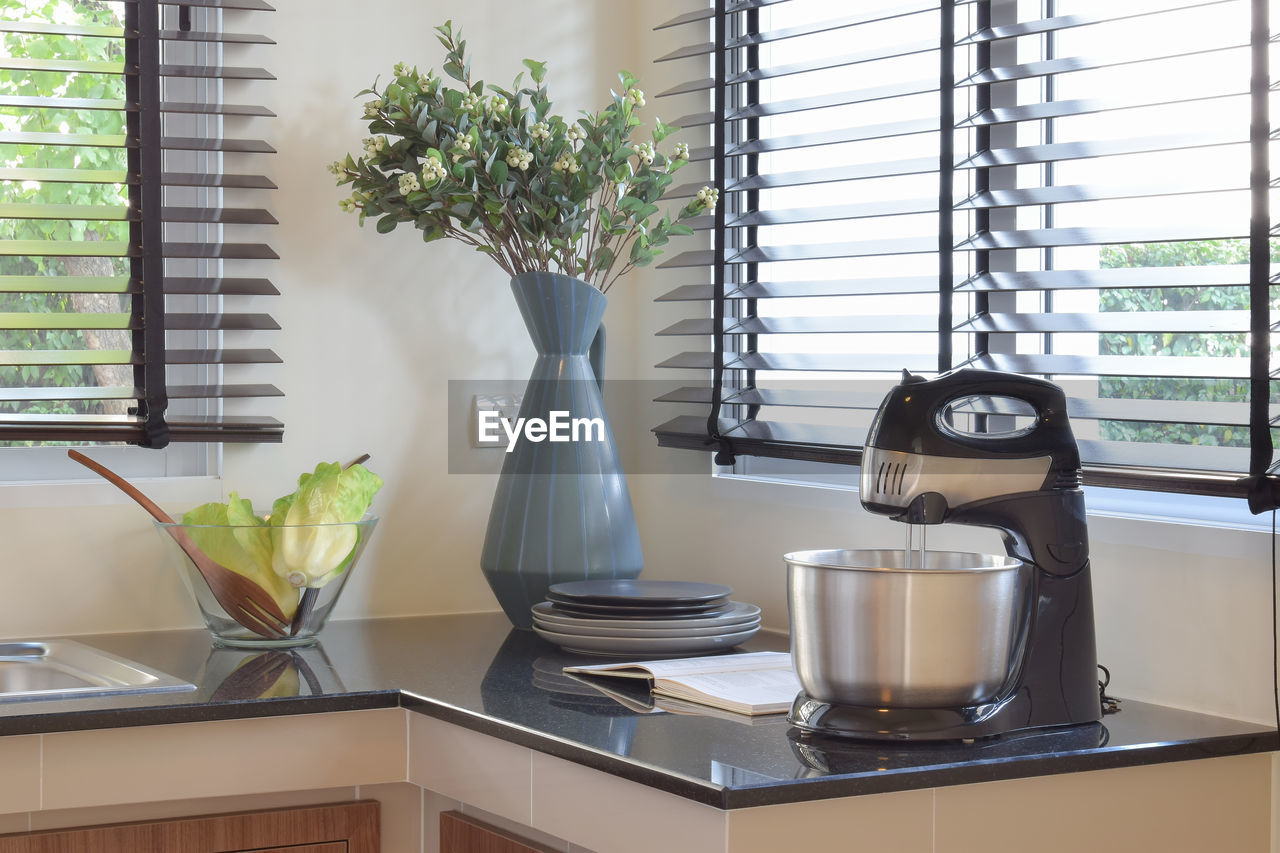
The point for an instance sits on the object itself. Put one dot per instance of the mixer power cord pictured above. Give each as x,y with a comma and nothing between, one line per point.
1110,704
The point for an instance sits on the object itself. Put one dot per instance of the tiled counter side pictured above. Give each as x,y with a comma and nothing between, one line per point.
488,722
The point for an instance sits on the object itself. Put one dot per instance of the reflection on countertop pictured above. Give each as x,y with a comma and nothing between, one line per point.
473,670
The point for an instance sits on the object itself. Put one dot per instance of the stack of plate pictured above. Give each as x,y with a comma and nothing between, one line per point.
628,617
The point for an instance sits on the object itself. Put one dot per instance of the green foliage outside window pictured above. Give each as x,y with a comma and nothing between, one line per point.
61,84
1235,298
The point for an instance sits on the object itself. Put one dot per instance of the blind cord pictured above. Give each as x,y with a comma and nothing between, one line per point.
1275,635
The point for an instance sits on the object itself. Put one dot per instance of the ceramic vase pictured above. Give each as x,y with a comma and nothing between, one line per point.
561,511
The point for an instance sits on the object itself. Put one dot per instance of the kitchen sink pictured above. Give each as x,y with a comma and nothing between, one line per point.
63,669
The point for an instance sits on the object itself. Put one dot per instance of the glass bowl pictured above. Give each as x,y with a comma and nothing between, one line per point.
321,559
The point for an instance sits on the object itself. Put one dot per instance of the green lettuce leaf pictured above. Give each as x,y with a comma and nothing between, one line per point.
242,549
305,553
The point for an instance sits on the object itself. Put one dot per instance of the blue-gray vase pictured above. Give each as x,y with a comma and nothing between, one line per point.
561,511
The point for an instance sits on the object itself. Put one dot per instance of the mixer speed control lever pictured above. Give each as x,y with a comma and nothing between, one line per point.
927,508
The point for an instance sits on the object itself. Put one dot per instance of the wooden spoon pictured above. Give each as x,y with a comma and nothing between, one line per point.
243,600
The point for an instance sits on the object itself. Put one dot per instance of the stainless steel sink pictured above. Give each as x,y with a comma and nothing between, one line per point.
63,669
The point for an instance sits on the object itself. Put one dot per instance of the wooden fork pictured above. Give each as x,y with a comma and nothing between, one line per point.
242,599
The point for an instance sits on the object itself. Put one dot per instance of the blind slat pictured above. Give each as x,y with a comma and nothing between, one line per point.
66,176
709,12
796,289
238,146
1131,9
1085,106
220,286
885,130
122,392
1070,64
191,179
242,251
35,27
1218,275
818,251
248,5
1063,194
45,358
1042,237
818,63
1060,151
215,72
1172,322
50,102
860,172
223,215
123,284
224,38
69,249
826,325
67,284
832,444
815,362
97,212
78,140
123,249
71,66
1154,366
1167,411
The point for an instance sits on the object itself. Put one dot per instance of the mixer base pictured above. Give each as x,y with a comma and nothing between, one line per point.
848,721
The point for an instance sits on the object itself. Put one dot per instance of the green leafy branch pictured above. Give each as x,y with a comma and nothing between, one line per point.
496,169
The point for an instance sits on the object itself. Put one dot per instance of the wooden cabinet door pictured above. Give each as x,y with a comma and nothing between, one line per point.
462,834
337,828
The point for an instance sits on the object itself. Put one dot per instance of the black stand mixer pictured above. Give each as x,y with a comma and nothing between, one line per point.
920,468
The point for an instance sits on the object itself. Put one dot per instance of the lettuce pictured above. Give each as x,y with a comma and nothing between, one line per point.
232,536
303,543
305,553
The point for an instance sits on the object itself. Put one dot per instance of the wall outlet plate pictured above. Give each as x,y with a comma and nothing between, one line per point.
507,407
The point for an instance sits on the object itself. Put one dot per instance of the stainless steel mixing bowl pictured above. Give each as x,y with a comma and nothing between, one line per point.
868,629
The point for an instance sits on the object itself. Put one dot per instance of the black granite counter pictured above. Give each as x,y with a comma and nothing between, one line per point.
474,671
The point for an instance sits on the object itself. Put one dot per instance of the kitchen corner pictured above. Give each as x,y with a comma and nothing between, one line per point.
420,695
489,721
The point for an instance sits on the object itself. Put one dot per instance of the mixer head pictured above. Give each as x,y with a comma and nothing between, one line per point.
963,440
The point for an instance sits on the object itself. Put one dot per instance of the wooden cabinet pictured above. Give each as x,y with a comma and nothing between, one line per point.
462,834
337,828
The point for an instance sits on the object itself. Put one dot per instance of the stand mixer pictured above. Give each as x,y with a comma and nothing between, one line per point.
1035,606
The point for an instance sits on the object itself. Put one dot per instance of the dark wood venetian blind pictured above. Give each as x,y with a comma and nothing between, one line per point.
133,223
1068,189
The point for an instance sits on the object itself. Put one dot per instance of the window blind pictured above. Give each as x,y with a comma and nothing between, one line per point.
129,238
1060,188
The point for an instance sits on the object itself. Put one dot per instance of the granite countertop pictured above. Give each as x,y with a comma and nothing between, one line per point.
475,671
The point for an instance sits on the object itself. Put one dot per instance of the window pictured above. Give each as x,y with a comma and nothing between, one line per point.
1067,188
127,233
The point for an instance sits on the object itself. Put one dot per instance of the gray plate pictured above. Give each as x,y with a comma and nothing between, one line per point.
644,645
611,610
590,629
633,593
736,613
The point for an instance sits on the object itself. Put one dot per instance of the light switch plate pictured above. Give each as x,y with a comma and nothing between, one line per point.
508,408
